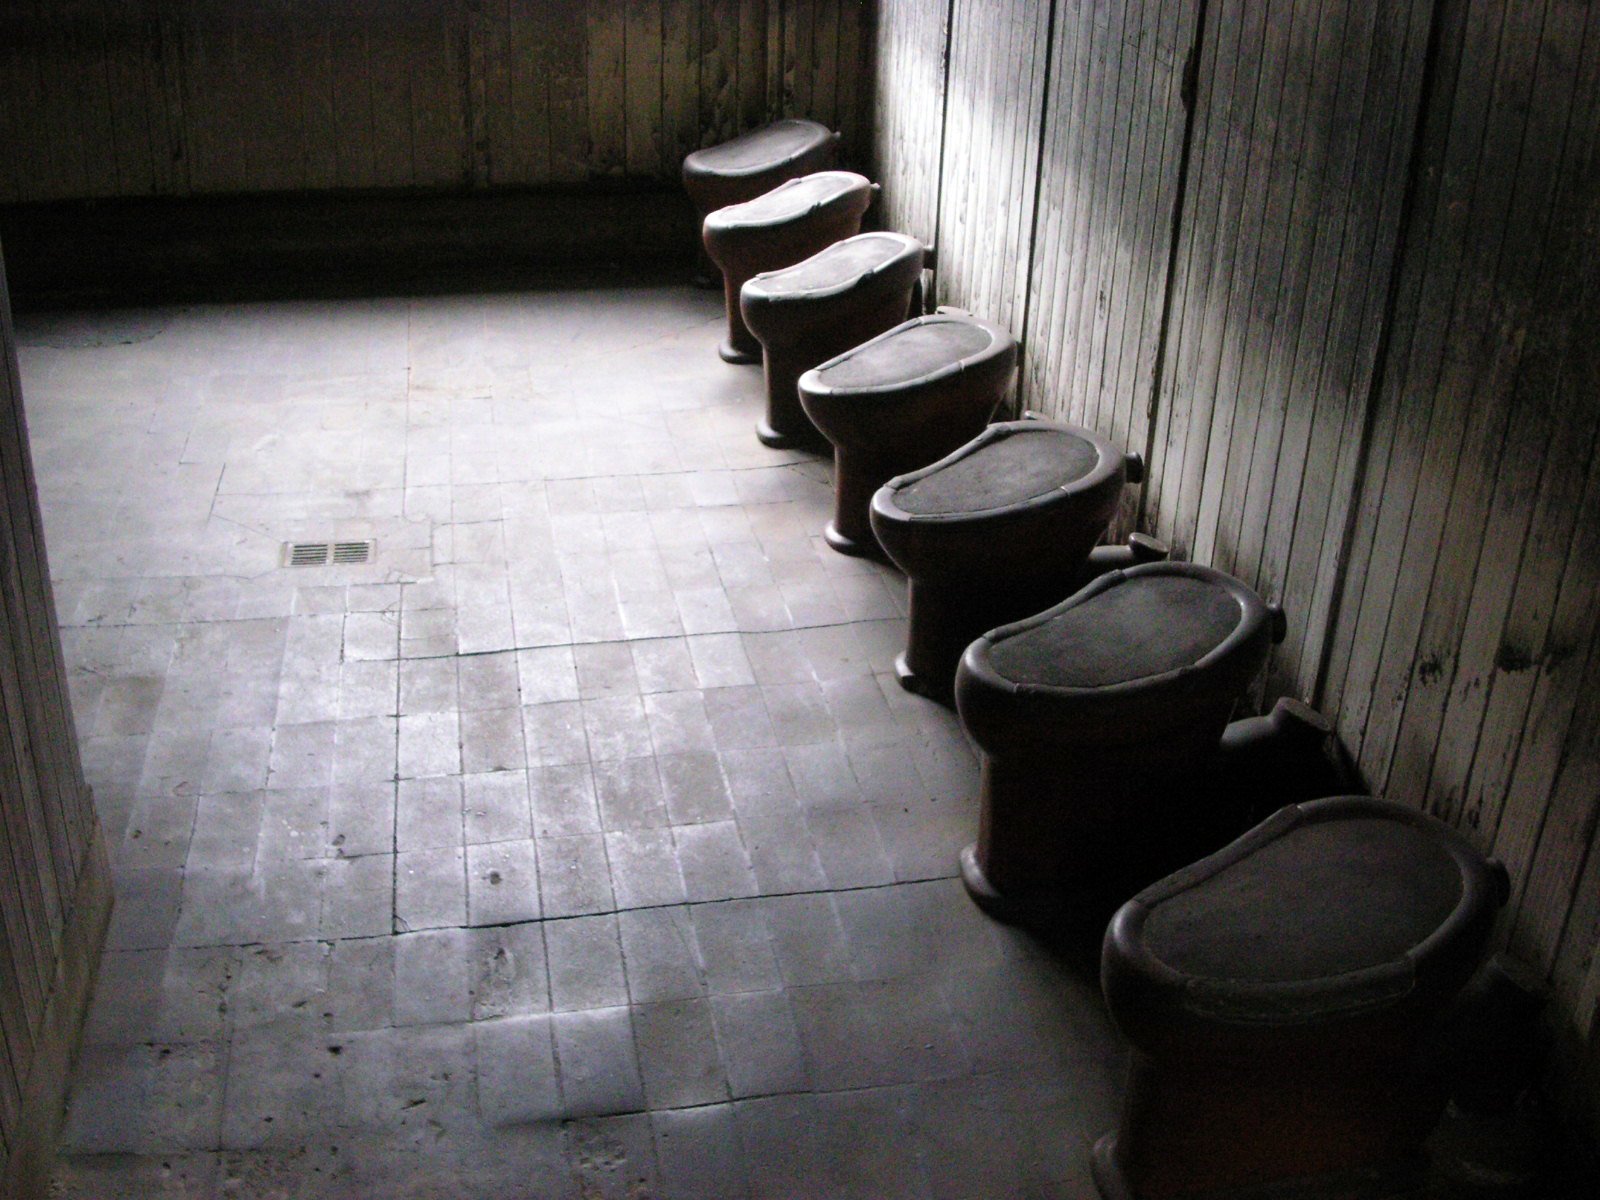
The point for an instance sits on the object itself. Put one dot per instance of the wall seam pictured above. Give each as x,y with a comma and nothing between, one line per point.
938,175
1189,89
1023,326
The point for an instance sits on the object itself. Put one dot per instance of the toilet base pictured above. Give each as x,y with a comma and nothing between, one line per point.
1109,1180
919,685
729,353
1402,1181
777,440
984,894
855,548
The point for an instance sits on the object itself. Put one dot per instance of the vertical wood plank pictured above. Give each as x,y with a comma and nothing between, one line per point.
756,64
214,139
354,121
607,127
390,30
988,190
310,29
491,119
435,47
680,84
908,114
568,42
138,98
642,120
853,96
87,82
719,97
1520,371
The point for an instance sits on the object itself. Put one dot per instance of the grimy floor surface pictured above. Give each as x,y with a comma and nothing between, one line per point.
580,844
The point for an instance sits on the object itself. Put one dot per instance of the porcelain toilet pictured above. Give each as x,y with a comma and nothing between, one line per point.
907,397
755,162
995,531
778,228
1092,719
1283,997
819,307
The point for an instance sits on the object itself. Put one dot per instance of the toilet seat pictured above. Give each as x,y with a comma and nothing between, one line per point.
1092,720
1292,972
995,531
906,397
757,161
780,227
806,313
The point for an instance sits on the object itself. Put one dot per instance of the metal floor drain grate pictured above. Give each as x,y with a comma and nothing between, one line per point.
323,554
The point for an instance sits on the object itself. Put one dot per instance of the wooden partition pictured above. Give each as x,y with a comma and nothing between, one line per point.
54,881
1331,267
117,98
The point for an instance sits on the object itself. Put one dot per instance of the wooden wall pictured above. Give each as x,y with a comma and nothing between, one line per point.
53,876
1331,267
104,98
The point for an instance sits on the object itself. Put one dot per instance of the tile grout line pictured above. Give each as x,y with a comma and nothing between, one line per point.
583,916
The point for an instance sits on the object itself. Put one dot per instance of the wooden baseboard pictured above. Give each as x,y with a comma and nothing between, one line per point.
27,1173
233,248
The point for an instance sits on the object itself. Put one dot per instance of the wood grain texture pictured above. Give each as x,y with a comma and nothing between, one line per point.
48,828
991,149
1107,189
908,118
183,97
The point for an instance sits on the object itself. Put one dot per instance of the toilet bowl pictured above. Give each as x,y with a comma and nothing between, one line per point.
1093,721
995,531
752,163
1282,997
904,399
821,306
778,228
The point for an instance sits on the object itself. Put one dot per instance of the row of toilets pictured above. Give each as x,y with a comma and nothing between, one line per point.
1279,992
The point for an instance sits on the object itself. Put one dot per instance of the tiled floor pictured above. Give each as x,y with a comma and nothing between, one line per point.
582,844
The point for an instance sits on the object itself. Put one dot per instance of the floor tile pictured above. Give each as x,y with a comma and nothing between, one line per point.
585,836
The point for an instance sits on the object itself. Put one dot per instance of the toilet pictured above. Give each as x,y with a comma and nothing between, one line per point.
750,164
819,307
756,162
778,228
1283,998
995,531
904,399
1094,721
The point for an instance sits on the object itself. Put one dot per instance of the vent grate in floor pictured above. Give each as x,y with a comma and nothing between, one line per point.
322,554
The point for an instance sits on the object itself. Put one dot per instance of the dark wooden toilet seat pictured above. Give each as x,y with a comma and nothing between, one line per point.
995,531
905,398
1092,720
780,227
1277,994
821,306
756,162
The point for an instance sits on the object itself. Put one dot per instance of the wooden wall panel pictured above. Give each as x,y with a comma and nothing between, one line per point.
1465,665
1379,375
48,829
908,118
1304,119
1113,135
180,97
995,96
